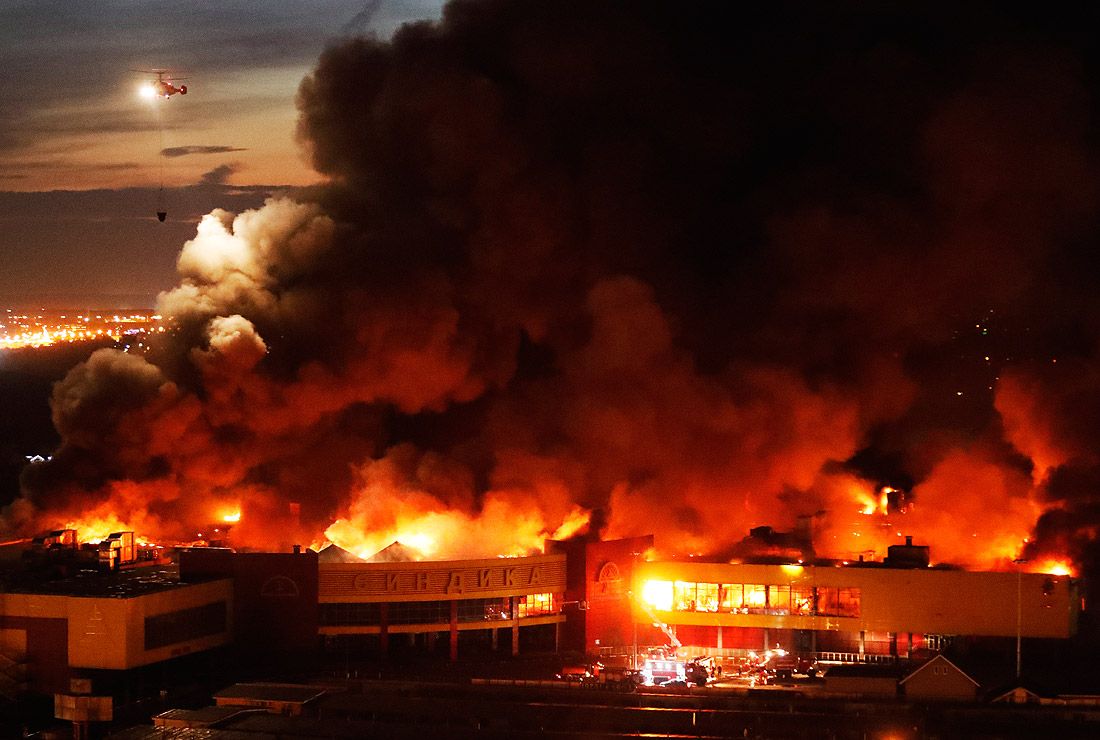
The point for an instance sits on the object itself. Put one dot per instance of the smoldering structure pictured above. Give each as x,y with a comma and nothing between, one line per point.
621,266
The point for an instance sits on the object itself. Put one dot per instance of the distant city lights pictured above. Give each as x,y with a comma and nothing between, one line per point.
44,329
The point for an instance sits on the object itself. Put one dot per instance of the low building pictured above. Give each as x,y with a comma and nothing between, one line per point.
201,718
292,700
849,614
107,626
939,680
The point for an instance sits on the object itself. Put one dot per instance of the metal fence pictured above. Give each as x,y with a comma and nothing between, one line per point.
624,652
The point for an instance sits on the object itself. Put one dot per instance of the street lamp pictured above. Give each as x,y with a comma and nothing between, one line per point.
1019,612
633,617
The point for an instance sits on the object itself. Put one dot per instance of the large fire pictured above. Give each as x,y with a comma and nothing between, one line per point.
572,270
384,516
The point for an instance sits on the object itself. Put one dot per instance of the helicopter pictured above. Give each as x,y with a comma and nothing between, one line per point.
162,86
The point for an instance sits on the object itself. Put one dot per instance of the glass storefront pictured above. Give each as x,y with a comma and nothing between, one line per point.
756,598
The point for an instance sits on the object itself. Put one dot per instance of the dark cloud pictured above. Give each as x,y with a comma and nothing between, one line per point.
183,151
607,255
218,175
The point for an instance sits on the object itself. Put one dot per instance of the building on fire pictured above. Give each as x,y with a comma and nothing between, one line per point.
68,615
124,627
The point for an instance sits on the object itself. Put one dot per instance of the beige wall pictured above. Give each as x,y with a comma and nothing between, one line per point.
921,601
110,632
939,680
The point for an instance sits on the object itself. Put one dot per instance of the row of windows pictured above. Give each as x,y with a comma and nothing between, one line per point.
534,605
751,598
437,612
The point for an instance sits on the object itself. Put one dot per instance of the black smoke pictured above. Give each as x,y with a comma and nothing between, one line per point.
698,268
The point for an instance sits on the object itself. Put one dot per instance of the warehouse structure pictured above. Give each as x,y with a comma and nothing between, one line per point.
122,628
126,627
848,613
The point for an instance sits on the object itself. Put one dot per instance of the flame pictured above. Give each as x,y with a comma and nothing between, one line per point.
658,594
574,522
498,530
869,501
234,516
423,542
96,528
1056,568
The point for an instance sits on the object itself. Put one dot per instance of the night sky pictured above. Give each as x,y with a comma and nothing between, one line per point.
80,164
685,270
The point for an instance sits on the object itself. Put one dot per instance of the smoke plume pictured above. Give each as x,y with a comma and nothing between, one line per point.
617,265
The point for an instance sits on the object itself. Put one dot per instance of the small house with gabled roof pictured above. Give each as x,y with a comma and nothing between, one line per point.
939,680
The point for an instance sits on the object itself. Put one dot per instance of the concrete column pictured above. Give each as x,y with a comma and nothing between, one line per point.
493,638
894,644
515,625
454,630
909,645
767,646
719,637
384,631
862,636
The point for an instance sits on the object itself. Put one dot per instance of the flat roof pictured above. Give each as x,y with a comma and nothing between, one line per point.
203,715
281,692
149,732
85,581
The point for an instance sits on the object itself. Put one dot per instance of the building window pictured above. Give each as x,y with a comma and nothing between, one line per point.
707,595
779,599
419,612
838,602
750,598
185,624
848,602
756,599
828,602
683,596
938,642
349,615
802,600
481,610
732,598
534,605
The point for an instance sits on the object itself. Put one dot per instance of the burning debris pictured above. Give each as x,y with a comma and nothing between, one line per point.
589,268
